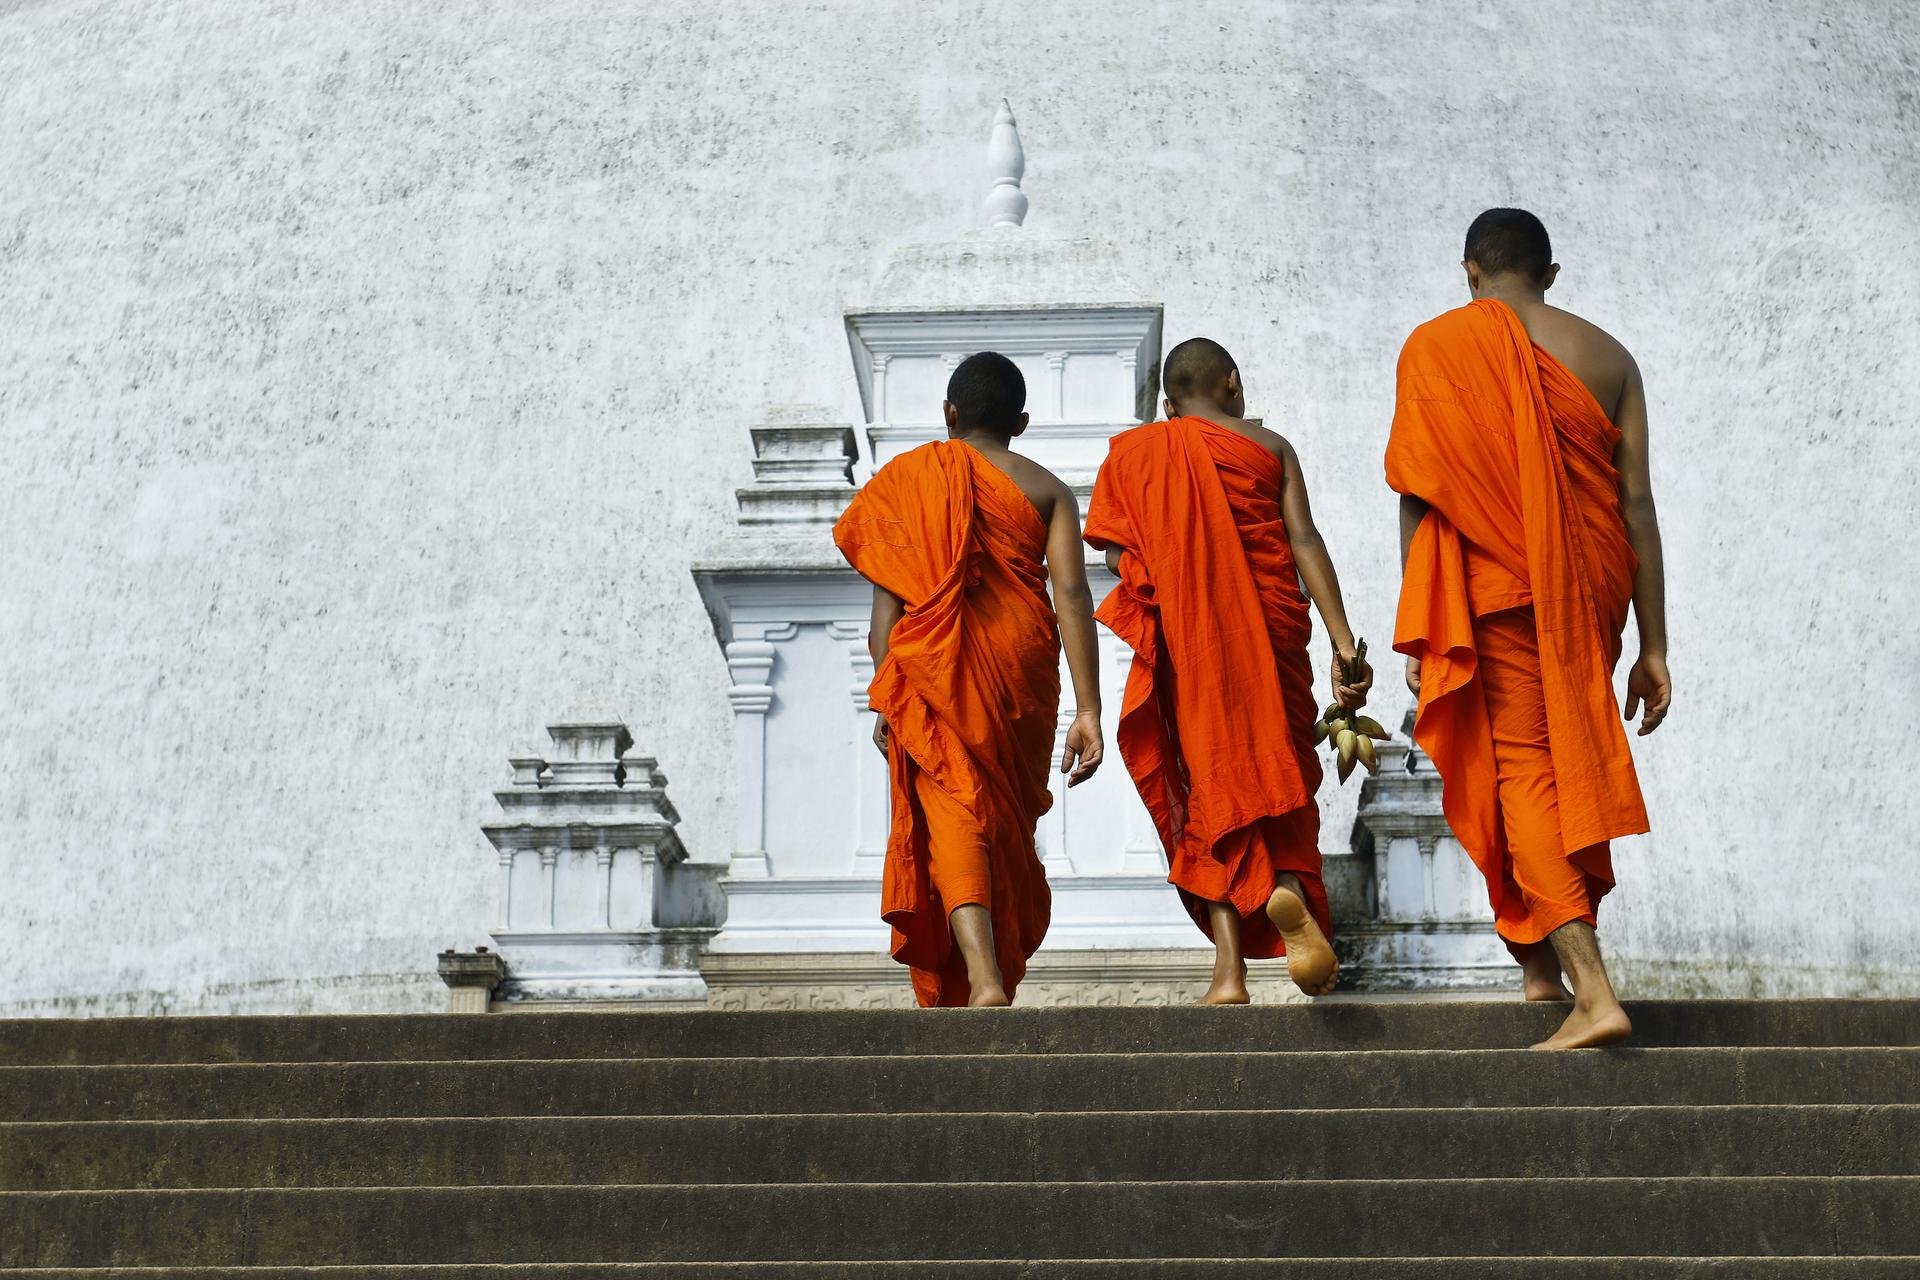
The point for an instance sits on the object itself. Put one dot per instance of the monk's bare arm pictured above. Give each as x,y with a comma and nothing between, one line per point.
1113,560
1073,604
887,611
1318,576
1648,681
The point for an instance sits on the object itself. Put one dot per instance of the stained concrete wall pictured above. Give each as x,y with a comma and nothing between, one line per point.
372,371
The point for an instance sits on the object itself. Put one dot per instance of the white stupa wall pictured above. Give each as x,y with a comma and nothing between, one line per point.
373,371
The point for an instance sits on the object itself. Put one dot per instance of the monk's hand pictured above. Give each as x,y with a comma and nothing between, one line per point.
1650,684
1085,748
1352,678
1413,676
880,733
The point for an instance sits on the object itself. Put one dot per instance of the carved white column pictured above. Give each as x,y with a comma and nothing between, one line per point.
1056,390
1429,844
750,666
1053,826
647,912
549,859
603,867
880,363
1130,364
872,797
1382,855
506,852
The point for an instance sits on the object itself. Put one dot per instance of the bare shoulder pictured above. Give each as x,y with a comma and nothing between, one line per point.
1267,438
1275,443
1595,356
1602,342
1043,488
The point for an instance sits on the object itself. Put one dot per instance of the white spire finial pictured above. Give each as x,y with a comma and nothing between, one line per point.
1006,162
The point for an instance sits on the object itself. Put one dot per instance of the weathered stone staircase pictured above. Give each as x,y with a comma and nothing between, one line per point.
1736,1139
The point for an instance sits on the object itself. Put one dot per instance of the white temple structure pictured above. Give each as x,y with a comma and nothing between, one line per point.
801,924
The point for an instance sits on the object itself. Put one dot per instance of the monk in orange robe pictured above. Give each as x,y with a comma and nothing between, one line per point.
959,538
1204,519
1519,447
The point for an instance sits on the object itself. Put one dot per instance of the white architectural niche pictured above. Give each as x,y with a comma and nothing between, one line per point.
803,889
596,899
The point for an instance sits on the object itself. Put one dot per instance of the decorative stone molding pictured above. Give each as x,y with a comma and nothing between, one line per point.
1007,164
802,470
597,900
1084,364
872,801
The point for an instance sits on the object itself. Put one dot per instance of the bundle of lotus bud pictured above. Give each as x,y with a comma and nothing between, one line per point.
1351,733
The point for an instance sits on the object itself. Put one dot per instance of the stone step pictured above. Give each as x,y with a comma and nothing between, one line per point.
895,1221
1099,1146
1335,1024
1014,1082
1292,1268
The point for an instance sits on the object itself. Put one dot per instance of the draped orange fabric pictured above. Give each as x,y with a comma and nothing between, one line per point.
1217,724
970,689
1516,591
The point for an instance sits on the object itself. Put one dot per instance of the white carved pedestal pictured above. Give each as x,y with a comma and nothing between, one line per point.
1410,908
803,890
596,899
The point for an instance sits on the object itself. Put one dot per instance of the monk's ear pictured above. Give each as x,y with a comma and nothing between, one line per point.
951,414
1019,427
1172,412
1472,269
1234,386
1546,281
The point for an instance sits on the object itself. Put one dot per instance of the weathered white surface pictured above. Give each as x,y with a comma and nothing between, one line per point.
372,371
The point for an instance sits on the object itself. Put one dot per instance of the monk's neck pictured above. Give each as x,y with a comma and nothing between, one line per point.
1519,296
984,441
1210,411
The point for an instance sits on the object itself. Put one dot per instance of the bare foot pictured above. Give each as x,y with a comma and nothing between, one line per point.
1542,976
988,998
1310,961
1227,991
1590,1028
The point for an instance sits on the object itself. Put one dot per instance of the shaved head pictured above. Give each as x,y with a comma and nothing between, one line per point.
1503,240
1197,367
988,393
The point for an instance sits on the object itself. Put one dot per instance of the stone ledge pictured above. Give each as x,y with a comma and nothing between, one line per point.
1138,978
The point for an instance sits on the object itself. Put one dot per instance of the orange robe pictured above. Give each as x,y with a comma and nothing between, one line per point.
1217,723
1515,594
970,689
